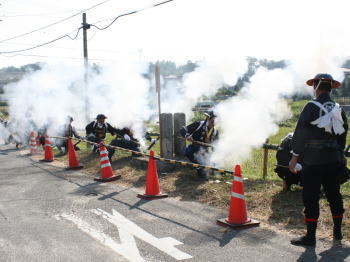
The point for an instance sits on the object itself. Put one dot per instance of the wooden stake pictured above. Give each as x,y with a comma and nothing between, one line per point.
157,77
266,154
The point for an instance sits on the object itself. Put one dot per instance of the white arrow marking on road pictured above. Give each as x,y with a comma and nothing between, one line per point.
128,249
128,230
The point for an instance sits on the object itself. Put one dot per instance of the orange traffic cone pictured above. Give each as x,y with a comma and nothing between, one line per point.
107,174
32,144
152,185
48,150
73,159
238,209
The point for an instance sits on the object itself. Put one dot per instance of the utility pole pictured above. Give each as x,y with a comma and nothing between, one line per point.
86,26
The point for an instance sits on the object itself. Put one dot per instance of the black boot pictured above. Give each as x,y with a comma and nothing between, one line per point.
337,234
309,239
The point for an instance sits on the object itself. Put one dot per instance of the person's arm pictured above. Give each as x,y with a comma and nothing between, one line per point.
75,133
111,129
342,137
299,135
216,135
89,128
187,131
120,132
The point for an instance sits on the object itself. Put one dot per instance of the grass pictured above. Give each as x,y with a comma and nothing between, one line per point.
3,111
266,201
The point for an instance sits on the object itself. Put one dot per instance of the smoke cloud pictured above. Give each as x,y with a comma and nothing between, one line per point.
45,98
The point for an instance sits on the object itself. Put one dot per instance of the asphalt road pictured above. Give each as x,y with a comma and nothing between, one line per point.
50,214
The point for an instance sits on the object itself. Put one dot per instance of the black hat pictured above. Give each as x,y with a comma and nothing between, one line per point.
324,77
101,116
210,114
69,118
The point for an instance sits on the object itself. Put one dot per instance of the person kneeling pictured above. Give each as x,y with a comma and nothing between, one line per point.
201,134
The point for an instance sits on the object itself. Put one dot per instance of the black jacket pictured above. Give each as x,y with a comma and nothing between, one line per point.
93,128
197,130
315,144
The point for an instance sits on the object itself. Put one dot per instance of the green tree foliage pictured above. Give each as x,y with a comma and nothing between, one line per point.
22,69
169,68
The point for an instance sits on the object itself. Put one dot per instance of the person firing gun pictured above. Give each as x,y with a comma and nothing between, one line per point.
201,134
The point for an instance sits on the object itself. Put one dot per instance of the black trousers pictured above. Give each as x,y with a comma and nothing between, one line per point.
327,176
123,144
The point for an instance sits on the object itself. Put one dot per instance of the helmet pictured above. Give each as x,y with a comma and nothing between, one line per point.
69,118
101,116
210,114
325,78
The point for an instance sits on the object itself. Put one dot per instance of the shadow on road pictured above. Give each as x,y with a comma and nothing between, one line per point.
337,253
287,207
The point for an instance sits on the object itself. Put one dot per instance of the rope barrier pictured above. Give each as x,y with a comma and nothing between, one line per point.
172,161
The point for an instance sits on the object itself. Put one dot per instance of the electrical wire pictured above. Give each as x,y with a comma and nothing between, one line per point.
42,14
64,57
69,48
57,22
73,38
130,13
43,44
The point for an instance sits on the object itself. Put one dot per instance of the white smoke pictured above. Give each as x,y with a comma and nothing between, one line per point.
210,75
249,118
45,98
4,134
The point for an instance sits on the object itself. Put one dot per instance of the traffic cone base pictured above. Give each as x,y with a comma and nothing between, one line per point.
151,197
109,179
250,223
75,167
46,160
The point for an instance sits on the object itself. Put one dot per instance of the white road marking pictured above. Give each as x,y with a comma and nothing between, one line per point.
127,233
128,230
123,249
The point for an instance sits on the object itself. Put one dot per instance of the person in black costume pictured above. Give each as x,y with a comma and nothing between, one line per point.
283,157
96,131
201,134
320,137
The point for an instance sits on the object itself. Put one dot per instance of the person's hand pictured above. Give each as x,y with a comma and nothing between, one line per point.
189,138
292,164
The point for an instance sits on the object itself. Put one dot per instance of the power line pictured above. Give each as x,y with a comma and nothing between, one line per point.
66,35
43,44
42,14
64,57
130,13
57,22
69,48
